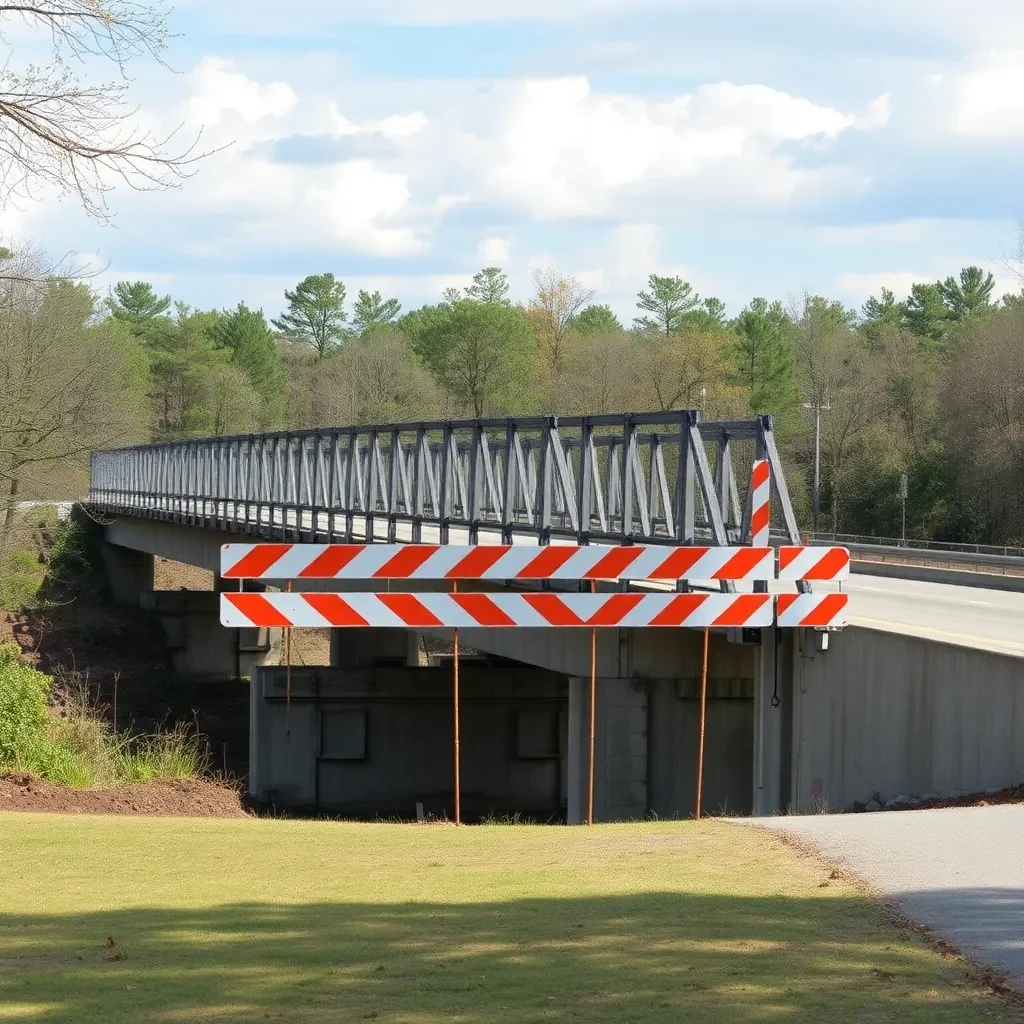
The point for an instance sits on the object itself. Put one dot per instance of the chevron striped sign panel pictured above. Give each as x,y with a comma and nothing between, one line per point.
795,610
425,611
494,562
814,563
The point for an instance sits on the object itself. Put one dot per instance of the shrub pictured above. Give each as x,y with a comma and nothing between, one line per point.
28,738
71,745
24,694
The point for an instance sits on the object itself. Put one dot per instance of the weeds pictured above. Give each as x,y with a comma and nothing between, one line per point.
53,728
176,754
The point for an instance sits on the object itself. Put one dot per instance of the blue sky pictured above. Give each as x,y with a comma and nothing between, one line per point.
755,147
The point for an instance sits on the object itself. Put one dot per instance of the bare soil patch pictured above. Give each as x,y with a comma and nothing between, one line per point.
190,798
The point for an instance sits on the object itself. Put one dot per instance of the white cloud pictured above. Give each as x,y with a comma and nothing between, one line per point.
359,204
218,88
561,150
990,98
492,250
861,285
899,282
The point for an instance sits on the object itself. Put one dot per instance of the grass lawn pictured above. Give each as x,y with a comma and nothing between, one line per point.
253,920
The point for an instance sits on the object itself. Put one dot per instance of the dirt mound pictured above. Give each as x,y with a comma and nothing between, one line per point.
185,798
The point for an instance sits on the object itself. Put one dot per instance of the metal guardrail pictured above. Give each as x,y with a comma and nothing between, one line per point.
1005,564
850,540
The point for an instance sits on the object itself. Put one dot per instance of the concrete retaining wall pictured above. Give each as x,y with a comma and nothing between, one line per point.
902,715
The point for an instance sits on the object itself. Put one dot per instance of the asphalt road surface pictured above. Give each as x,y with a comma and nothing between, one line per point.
969,616
960,871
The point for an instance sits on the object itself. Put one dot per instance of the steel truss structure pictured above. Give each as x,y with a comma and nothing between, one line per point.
666,478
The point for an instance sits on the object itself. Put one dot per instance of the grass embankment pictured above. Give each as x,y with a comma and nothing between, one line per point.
106,920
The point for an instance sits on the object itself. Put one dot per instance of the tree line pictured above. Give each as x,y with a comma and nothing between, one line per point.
931,387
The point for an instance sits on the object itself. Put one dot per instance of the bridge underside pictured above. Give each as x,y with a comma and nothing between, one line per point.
647,713
875,712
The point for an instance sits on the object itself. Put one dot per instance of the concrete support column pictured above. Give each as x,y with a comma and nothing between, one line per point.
129,573
620,750
363,648
199,644
773,734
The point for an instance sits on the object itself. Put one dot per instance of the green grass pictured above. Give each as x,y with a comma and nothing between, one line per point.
253,920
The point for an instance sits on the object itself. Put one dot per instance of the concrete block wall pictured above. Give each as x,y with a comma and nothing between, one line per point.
902,715
397,723
674,746
620,750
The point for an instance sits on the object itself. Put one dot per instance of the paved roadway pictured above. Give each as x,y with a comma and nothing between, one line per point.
959,871
969,616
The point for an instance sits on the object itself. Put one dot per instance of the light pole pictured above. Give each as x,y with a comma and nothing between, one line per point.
903,498
817,407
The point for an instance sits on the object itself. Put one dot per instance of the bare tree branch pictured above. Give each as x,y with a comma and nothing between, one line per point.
82,137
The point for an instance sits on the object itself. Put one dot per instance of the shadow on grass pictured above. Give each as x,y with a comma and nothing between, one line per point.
657,957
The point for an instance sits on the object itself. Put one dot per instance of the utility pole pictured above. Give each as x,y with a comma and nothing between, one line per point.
903,498
817,407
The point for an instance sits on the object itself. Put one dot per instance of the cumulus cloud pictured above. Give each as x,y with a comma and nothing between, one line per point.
492,250
219,88
560,149
356,203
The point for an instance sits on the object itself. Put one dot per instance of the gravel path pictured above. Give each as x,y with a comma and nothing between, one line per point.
960,871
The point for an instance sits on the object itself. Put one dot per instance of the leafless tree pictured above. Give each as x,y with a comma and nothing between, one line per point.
1017,261
557,300
597,376
681,371
984,393
376,379
838,373
81,136
69,386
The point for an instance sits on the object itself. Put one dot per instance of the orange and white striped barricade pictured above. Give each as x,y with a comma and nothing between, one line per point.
530,610
813,563
824,611
494,562
760,502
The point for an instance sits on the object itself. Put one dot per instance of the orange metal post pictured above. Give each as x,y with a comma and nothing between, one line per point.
455,671
593,704
703,708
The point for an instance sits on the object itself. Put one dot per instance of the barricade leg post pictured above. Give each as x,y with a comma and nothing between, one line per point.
455,687
593,707
703,710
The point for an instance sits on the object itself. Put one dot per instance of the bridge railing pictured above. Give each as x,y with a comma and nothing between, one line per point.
652,477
